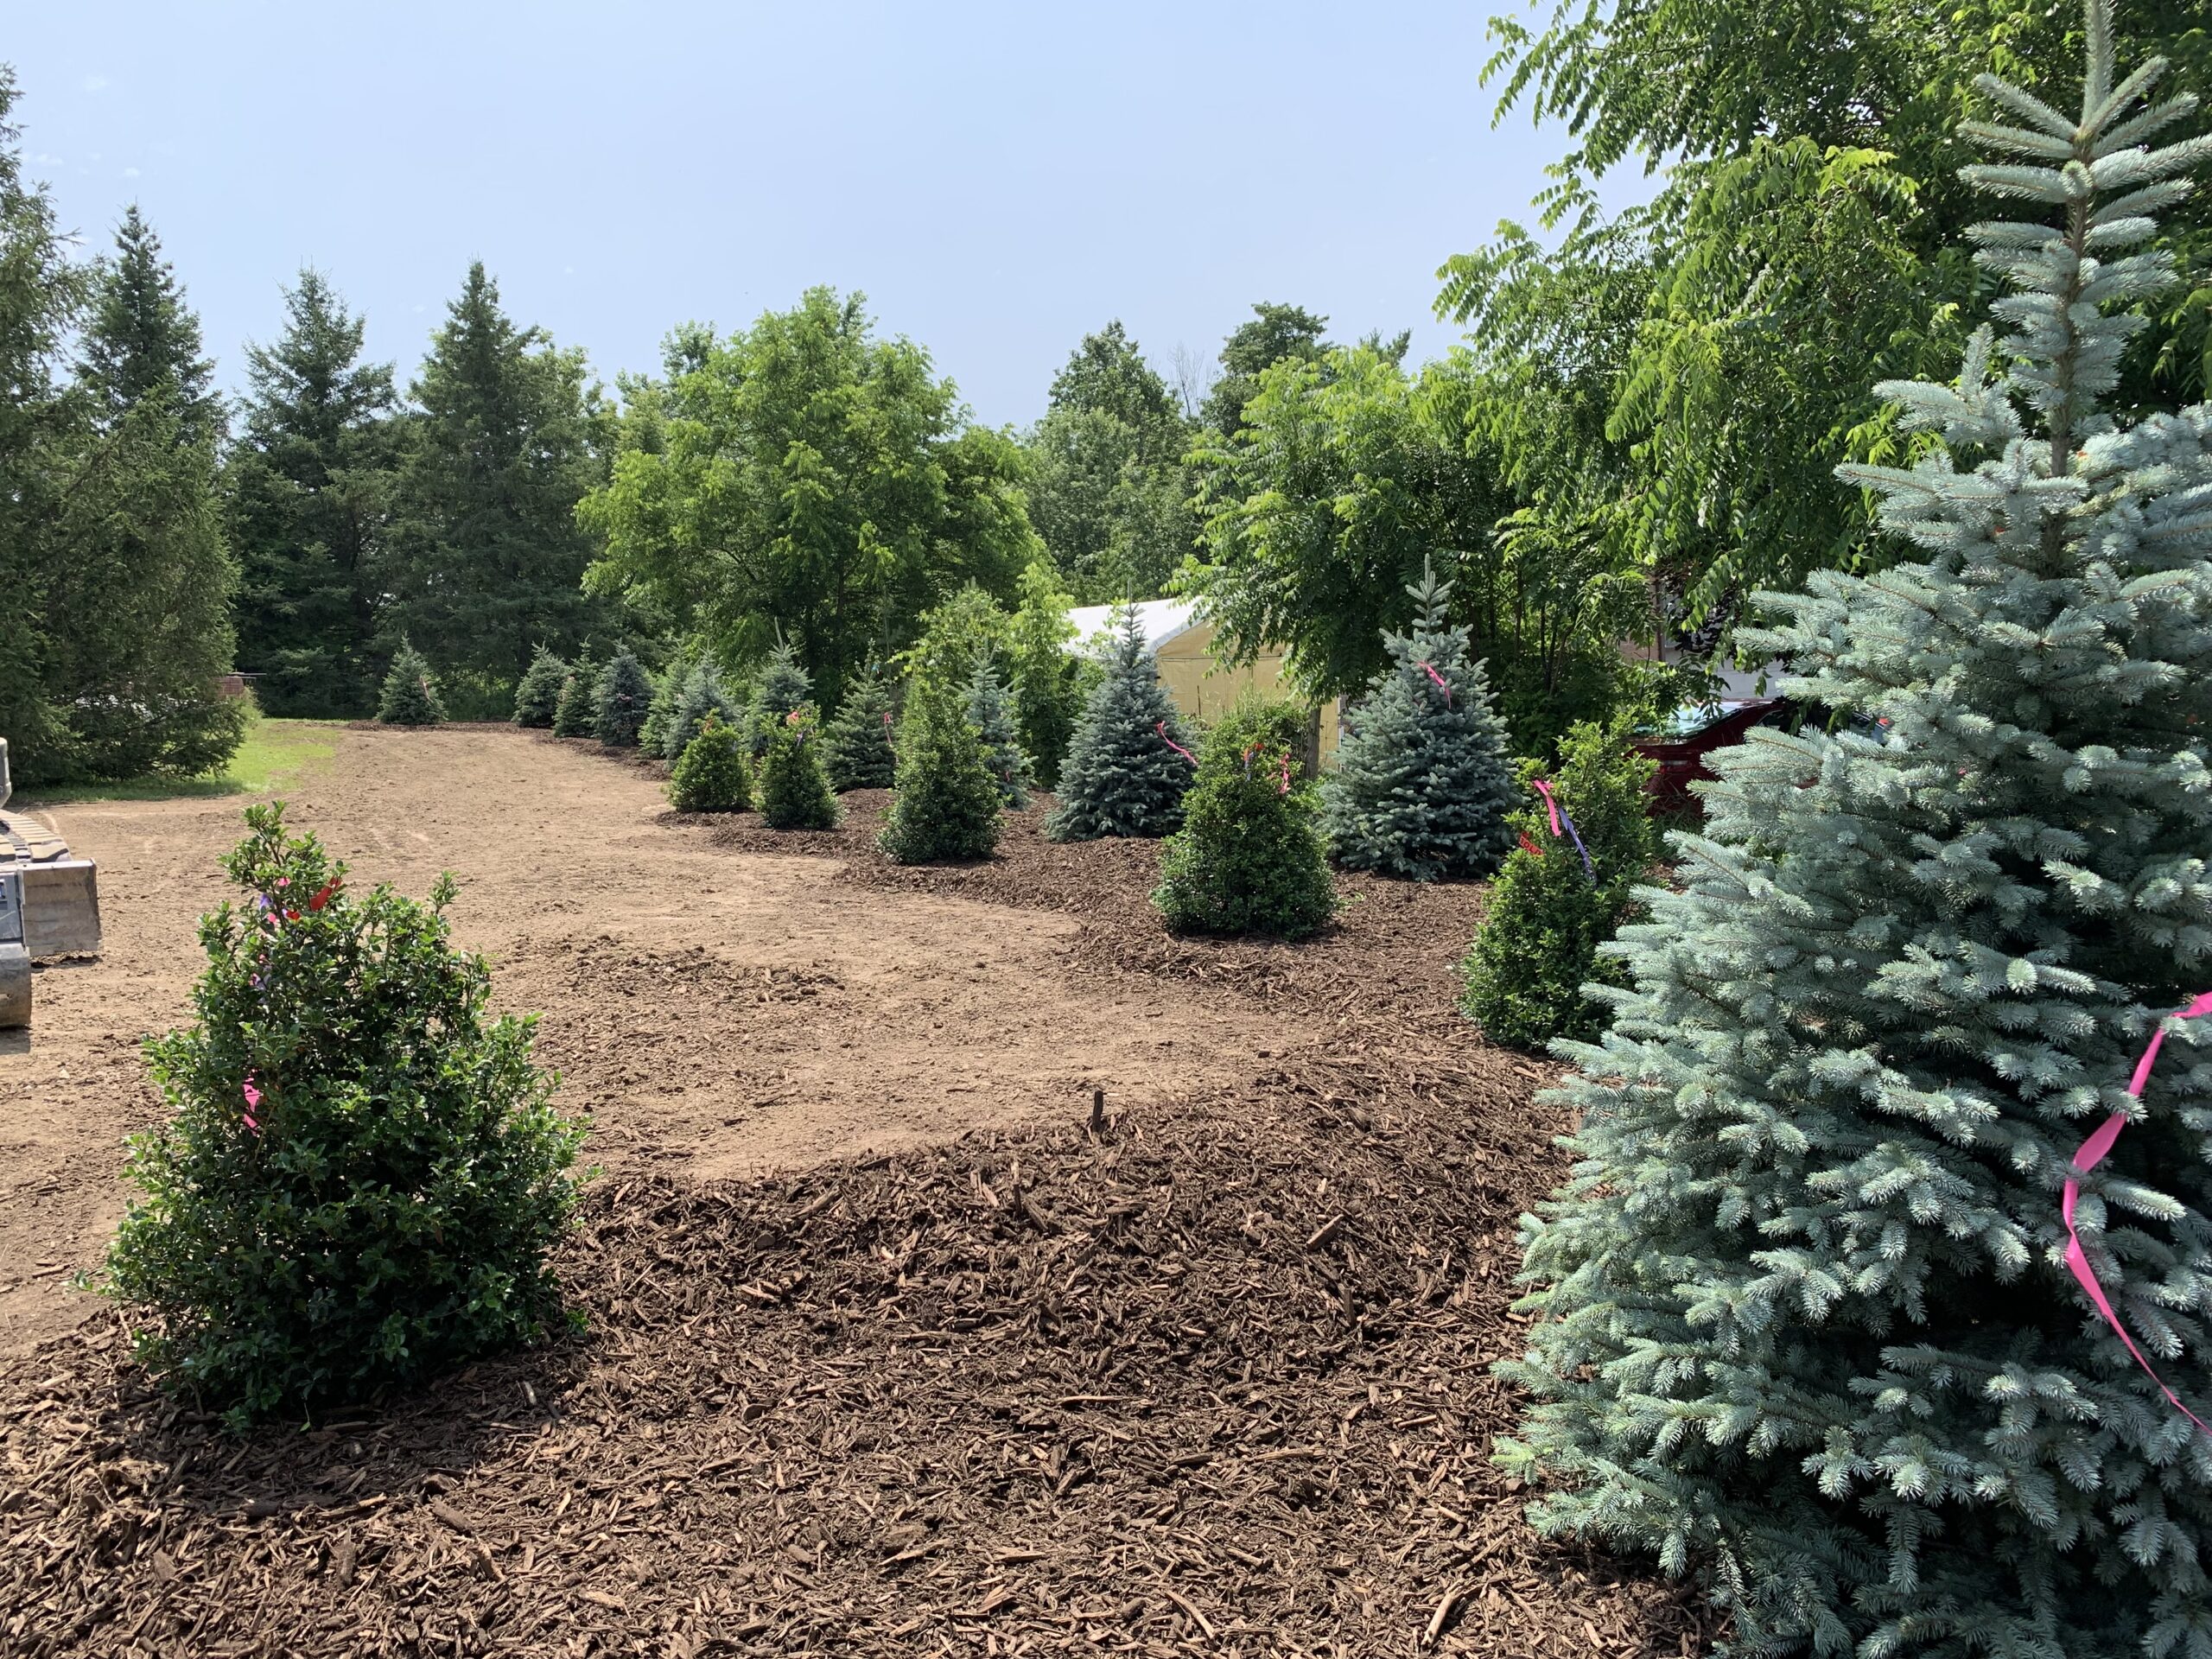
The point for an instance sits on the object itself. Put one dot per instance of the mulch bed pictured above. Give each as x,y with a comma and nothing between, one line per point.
1211,1380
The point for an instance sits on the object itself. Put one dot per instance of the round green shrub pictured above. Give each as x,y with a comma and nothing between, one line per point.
794,791
1548,916
621,700
711,775
947,807
537,698
362,1179
1248,858
577,713
410,697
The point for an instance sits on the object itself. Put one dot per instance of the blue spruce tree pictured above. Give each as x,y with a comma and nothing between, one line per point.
1423,784
1128,764
992,715
1803,1316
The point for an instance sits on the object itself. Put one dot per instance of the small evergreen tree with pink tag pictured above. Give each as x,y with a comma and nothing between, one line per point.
1423,781
1802,1321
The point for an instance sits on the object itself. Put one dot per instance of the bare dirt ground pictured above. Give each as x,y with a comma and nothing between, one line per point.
714,1016
1212,1381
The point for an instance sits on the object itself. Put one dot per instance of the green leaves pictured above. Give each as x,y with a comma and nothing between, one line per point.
362,1179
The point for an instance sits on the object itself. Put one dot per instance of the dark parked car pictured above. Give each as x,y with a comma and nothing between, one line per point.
1681,742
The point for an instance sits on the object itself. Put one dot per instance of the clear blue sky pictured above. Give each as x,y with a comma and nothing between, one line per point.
997,179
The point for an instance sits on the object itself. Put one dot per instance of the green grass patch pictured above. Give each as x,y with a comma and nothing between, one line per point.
274,754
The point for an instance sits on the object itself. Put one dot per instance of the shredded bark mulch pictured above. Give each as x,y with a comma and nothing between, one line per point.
1212,1379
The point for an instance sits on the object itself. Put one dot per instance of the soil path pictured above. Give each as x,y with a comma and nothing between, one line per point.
716,1013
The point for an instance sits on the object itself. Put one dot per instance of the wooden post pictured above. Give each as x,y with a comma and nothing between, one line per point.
1097,1110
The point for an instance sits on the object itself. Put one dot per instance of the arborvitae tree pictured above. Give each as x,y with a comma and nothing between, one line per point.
1806,1317
1247,859
1549,911
784,686
947,805
537,699
487,557
710,775
988,714
624,693
793,792
410,697
1423,785
1047,679
142,341
576,714
309,486
703,695
1123,775
856,745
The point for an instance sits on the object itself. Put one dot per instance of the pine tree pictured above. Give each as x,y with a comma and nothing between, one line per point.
947,807
622,696
485,556
784,686
310,481
537,699
142,341
1550,912
1423,784
1247,859
703,695
1124,775
576,714
1805,1317
994,722
141,579
40,302
410,697
710,775
856,745
794,791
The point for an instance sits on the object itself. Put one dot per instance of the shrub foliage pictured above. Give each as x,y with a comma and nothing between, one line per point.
711,775
1248,858
1122,775
576,714
856,748
1549,915
794,791
362,1178
621,700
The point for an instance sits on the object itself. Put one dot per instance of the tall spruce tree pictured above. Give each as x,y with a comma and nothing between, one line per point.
309,486
537,699
1124,774
487,558
1805,1317
575,712
856,745
1423,785
989,713
410,697
142,578
704,694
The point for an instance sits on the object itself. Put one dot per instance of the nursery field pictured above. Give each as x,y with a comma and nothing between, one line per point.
888,1351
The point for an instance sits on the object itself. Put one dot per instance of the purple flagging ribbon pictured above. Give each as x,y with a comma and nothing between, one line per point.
2088,1157
1558,812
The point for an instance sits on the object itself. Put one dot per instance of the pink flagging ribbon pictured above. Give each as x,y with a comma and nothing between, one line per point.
1443,686
252,1099
1552,806
1160,726
2088,1157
